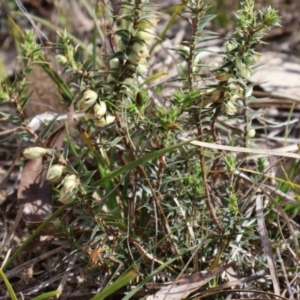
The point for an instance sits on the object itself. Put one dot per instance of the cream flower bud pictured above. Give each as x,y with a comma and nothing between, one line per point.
34,152
100,109
134,58
142,67
229,46
140,49
114,63
87,101
65,197
145,35
97,112
105,121
243,70
61,58
69,182
54,173
229,108
251,133
143,24
223,76
66,192
251,59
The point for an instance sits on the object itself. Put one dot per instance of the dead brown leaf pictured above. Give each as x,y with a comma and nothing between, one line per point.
182,288
34,192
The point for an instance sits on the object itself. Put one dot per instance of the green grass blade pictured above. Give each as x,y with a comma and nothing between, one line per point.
34,234
50,26
57,80
172,20
156,271
154,77
140,161
47,295
119,283
8,285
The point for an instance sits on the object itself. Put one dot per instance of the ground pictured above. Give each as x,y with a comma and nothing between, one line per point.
279,84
